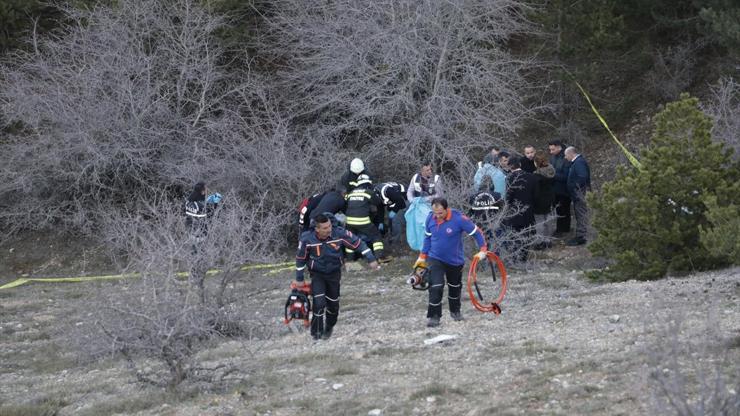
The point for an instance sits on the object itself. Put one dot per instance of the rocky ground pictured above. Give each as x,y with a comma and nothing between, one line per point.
563,345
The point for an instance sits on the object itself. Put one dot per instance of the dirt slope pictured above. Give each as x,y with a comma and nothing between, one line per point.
563,345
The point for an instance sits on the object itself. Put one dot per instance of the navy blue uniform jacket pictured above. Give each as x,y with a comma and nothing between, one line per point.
325,256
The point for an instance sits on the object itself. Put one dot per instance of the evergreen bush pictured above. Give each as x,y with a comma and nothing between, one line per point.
649,221
721,237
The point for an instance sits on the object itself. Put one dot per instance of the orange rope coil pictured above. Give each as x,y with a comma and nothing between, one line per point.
473,278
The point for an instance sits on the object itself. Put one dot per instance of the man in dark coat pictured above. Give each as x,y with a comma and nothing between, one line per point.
579,182
528,160
562,196
520,198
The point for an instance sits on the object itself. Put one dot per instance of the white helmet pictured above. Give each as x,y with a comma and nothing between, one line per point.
363,179
356,166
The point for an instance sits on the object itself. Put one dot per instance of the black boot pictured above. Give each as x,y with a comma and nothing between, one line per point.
317,326
327,332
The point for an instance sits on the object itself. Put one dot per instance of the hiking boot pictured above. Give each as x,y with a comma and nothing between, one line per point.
433,321
578,241
457,316
327,333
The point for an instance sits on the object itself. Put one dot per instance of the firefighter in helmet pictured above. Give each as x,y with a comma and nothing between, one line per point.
362,207
350,178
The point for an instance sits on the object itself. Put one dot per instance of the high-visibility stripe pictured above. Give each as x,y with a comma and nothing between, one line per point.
358,220
351,194
196,215
377,245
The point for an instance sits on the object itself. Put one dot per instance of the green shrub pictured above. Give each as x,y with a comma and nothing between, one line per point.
721,238
649,220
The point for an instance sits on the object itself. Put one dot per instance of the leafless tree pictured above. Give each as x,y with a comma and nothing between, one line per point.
673,70
724,107
132,99
401,81
167,314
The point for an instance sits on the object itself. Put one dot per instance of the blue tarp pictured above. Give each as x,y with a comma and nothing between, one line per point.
416,215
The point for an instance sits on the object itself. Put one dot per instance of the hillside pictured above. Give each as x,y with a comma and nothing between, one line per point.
563,345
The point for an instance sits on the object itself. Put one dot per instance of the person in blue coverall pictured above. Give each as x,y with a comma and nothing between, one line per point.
442,252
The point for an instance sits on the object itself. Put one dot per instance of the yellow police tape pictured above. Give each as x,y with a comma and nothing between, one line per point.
277,267
633,160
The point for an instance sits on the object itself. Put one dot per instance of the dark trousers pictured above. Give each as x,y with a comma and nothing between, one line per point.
374,239
580,207
437,272
197,275
518,242
325,294
562,209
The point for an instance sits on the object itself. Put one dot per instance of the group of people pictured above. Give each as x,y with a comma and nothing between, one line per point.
538,190
530,192
534,187
323,245
362,205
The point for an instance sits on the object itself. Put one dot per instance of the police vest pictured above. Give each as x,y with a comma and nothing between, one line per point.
485,201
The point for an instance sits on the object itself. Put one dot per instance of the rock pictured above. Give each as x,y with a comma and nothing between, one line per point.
320,380
337,386
614,319
375,412
431,399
